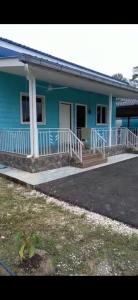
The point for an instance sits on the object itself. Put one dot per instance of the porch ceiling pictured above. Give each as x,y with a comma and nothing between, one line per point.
86,84
65,77
127,111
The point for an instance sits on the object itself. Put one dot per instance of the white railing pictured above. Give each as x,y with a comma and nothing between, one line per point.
132,139
59,140
53,141
15,141
62,140
50,141
118,136
76,145
134,130
97,142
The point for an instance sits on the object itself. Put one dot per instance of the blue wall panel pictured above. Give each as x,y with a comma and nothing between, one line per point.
12,85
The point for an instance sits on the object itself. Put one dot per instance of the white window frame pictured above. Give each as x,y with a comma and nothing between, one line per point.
107,121
43,109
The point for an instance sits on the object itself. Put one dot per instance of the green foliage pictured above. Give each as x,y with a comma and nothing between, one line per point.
27,244
120,77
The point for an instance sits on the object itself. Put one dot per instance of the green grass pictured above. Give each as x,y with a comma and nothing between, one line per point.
76,246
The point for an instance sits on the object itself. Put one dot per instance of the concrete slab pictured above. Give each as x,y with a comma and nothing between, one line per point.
47,176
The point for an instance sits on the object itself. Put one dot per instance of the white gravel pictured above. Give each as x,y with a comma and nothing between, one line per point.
94,218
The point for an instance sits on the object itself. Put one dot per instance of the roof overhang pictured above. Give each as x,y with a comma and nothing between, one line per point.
55,74
127,111
13,66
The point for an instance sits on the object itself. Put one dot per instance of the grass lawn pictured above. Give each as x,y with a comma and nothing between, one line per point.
74,245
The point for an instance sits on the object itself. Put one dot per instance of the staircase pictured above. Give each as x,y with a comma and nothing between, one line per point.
89,159
84,157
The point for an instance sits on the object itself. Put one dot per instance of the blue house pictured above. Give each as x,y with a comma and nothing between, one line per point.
54,112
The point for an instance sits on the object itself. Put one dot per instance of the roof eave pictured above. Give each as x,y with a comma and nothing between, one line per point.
46,63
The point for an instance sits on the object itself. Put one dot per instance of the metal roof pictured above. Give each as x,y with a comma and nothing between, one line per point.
66,64
126,102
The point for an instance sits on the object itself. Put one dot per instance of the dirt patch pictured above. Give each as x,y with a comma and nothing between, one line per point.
39,264
31,263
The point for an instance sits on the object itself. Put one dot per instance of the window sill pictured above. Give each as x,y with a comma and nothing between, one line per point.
101,124
28,123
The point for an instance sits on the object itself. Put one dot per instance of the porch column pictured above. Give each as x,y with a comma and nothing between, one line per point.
110,120
33,120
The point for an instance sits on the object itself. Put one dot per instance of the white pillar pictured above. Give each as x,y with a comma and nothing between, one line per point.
110,120
33,120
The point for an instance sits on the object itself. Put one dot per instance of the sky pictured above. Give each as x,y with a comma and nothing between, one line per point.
106,48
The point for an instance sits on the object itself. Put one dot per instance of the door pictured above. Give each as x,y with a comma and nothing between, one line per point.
80,118
64,122
65,115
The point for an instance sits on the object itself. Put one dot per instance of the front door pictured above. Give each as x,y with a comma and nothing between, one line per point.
64,122
65,115
80,118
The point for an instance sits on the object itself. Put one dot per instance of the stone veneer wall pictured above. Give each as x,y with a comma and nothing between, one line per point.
35,164
44,163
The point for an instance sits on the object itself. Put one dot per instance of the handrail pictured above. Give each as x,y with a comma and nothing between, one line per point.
52,129
76,137
134,130
120,136
132,138
132,133
97,142
76,145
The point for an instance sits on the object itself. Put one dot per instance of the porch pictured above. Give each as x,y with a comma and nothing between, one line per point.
57,147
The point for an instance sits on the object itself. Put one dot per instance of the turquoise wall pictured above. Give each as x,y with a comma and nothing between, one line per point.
133,122
12,85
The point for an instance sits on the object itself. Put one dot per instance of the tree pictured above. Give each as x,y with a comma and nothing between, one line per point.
132,82
120,77
135,73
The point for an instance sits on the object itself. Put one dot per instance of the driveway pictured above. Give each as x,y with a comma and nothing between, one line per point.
111,191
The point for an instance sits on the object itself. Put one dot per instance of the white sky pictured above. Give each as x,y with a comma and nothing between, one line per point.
105,48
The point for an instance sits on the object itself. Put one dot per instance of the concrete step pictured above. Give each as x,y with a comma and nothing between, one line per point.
87,159
90,163
86,151
91,156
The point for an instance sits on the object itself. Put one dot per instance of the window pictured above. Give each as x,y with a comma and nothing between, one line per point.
25,116
101,114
